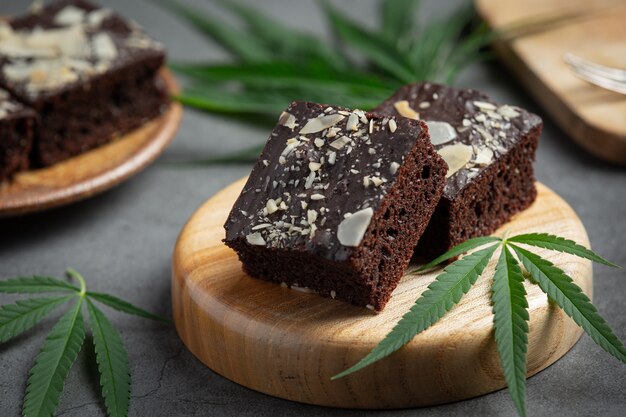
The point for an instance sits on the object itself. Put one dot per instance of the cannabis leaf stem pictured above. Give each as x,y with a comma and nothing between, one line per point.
509,303
61,347
440,296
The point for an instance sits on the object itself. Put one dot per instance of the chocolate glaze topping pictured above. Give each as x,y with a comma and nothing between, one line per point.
321,165
467,128
67,44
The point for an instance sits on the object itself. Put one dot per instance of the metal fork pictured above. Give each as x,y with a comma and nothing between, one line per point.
613,79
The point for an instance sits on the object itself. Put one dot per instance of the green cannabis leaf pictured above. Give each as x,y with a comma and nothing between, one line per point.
274,64
112,362
25,285
52,364
509,303
510,310
440,296
61,347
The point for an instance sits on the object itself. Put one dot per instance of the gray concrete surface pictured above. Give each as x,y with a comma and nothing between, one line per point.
122,242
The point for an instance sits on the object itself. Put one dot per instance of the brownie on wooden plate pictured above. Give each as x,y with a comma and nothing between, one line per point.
88,73
337,202
16,135
490,150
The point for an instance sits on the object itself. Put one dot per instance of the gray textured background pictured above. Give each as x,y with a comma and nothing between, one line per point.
122,242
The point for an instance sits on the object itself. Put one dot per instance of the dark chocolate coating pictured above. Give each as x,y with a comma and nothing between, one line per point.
382,167
478,198
118,28
453,105
345,192
101,83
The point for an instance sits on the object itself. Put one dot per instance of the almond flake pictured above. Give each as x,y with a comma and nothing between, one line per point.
483,105
255,239
318,142
103,47
69,16
456,156
271,206
377,181
351,230
287,119
353,122
314,166
320,123
484,157
340,142
484,133
508,112
309,180
332,132
311,216
393,168
440,132
392,125
403,108
361,115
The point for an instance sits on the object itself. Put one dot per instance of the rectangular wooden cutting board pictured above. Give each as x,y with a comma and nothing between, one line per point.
593,117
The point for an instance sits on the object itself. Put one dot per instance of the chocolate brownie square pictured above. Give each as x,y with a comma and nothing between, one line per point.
88,73
337,202
16,135
490,150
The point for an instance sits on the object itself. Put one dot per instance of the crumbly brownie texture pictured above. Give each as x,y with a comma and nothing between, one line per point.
88,73
337,202
16,136
490,150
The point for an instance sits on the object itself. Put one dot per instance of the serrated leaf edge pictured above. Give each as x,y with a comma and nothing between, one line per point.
604,337
33,316
74,337
109,372
417,322
35,284
508,288
560,244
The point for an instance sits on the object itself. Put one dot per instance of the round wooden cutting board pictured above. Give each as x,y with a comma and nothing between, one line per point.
288,344
95,171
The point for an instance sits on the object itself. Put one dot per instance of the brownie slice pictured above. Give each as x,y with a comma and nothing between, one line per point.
16,135
336,202
88,73
490,150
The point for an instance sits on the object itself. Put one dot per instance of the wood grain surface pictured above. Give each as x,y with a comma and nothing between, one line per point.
288,344
95,171
592,116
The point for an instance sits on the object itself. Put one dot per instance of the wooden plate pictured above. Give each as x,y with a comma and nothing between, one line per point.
95,171
592,116
288,344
